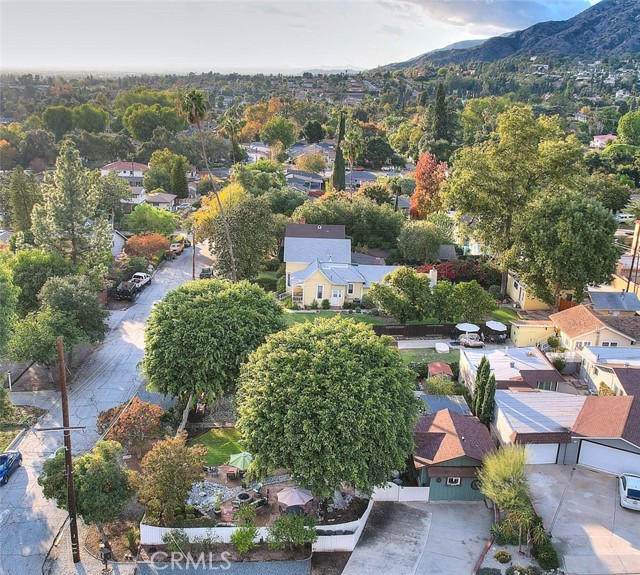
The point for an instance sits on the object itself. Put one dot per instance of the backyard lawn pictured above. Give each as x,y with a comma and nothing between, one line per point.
291,317
220,444
505,314
429,354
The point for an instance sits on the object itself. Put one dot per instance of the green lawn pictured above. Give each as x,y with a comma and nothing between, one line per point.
291,317
220,443
430,354
6,437
505,314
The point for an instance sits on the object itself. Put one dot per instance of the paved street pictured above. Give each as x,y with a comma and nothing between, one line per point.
29,523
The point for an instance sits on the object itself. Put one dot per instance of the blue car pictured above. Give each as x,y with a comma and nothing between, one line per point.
9,462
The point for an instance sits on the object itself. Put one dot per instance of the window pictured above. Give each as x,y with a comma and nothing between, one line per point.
595,371
350,289
320,293
515,284
548,385
453,481
609,344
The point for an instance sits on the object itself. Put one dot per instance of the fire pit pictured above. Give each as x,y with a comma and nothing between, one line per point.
244,497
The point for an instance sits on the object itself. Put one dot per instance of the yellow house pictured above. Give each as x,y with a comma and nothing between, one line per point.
529,333
517,291
336,282
578,327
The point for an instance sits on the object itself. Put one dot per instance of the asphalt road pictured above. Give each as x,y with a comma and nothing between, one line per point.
28,522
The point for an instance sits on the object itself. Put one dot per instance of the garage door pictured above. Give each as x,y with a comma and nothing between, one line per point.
541,453
608,459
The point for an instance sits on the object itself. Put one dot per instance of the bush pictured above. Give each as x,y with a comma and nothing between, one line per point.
367,303
455,368
242,538
281,284
553,341
495,291
314,304
203,522
502,556
272,265
245,514
605,390
522,570
502,536
292,531
176,541
133,536
559,363
546,554
266,283
439,386
347,305
421,367
325,304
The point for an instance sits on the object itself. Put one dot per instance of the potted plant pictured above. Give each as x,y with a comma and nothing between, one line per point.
217,504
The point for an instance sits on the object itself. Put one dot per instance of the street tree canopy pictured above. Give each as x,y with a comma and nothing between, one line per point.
201,333
146,218
329,401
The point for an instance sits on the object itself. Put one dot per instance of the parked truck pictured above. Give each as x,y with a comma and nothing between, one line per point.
128,290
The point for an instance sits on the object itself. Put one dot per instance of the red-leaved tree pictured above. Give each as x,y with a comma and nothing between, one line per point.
146,245
429,175
137,425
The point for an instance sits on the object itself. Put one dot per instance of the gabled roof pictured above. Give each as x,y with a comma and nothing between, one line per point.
326,231
626,325
576,321
439,368
121,166
365,259
302,250
606,417
160,198
446,435
447,252
343,273
614,300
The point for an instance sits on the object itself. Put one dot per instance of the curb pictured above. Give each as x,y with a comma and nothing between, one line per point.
488,544
17,439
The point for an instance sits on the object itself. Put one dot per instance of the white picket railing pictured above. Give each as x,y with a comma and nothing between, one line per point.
393,492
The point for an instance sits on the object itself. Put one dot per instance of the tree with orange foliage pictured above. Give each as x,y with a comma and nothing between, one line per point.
146,245
430,175
138,424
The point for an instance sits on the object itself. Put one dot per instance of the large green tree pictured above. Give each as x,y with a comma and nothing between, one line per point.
31,269
90,118
102,484
58,119
280,132
404,294
313,131
146,218
201,333
419,242
141,120
67,222
471,302
629,128
178,184
8,299
23,195
329,401
612,193
338,175
565,243
503,477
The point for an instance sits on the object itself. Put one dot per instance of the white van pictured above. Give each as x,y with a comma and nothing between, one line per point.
625,217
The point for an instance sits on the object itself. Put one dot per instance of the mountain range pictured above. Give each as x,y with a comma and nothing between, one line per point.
611,27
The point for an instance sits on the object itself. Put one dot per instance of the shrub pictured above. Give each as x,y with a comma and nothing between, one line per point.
176,541
502,535
455,368
559,363
133,536
245,514
522,570
439,386
553,341
203,522
347,305
546,554
325,304
502,556
605,390
272,265
495,291
314,304
421,367
292,531
242,538
367,303
266,283
281,284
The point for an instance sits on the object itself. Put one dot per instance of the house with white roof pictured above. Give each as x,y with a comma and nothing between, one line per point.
131,172
319,266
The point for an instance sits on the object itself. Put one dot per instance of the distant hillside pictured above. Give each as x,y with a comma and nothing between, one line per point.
611,27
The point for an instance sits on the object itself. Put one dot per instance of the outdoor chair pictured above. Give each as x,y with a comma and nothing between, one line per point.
232,475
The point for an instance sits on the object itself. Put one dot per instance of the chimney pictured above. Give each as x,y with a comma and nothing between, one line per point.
378,261
303,220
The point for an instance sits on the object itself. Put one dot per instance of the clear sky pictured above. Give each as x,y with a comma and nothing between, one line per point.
250,35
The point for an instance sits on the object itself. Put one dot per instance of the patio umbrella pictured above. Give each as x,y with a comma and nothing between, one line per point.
241,460
290,496
467,327
496,326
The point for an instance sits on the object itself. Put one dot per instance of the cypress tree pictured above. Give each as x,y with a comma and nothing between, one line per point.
486,411
178,183
23,191
482,378
338,177
440,119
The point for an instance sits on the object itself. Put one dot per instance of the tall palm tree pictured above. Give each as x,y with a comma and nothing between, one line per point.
194,105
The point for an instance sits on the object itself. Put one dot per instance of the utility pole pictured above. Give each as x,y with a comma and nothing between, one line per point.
71,495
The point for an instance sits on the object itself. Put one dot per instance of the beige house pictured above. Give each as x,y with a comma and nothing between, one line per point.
319,266
579,327
527,333
517,291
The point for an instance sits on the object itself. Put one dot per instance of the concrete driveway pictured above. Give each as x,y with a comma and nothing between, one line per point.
581,509
411,538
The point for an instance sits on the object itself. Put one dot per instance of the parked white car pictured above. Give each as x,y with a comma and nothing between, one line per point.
629,491
471,340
